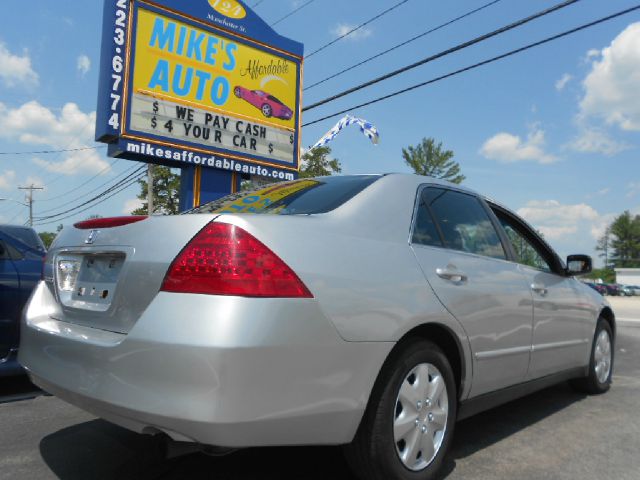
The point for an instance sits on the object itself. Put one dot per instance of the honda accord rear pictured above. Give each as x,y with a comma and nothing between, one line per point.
371,311
205,326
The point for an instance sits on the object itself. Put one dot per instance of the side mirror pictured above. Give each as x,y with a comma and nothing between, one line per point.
578,265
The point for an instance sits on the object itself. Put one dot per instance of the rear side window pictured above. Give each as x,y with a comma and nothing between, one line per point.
425,231
299,197
26,236
461,221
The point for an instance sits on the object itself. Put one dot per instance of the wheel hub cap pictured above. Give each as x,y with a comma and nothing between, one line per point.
602,356
420,417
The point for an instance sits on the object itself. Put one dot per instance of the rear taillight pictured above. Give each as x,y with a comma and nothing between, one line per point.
224,259
108,222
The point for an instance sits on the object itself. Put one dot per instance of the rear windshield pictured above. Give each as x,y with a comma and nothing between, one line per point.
299,197
24,235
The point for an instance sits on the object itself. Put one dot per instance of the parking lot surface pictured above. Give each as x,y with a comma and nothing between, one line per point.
553,434
627,309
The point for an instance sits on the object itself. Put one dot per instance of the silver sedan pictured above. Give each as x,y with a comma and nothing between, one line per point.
371,311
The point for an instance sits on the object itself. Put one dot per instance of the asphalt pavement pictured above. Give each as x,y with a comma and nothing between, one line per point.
552,434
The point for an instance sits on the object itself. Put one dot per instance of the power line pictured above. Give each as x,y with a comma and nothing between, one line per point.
105,192
108,167
257,3
292,12
355,29
406,42
479,64
41,152
54,178
31,188
120,176
449,51
123,187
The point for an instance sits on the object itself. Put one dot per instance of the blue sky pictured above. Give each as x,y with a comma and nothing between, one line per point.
552,133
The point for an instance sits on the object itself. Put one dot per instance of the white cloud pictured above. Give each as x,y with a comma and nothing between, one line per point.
508,148
596,140
344,28
562,81
130,205
7,180
591,54
35,181
83,65
611,87
83,161
633,189
35,124
16,70
569,224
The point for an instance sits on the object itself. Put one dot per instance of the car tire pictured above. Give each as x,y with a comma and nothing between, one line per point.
601,360
267,111
237,92
390,442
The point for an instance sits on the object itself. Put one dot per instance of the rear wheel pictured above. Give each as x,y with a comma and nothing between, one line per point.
407,428
237,92
598,379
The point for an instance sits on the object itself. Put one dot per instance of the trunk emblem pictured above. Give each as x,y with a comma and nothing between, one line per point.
92,236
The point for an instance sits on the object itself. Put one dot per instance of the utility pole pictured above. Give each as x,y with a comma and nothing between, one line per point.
150,188
31,188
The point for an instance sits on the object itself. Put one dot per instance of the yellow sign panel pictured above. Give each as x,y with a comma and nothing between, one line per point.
228,8
262,199
179,62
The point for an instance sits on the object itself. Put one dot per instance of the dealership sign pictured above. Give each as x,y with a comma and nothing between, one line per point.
202,81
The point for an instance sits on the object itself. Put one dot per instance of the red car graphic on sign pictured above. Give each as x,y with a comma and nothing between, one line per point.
269,105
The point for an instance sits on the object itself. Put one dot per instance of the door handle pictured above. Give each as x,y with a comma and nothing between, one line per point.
451,275
541,289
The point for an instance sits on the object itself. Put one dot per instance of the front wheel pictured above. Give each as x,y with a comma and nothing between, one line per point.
598,380
267,111
407,428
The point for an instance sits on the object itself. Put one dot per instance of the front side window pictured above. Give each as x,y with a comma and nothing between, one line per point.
462,222
526,252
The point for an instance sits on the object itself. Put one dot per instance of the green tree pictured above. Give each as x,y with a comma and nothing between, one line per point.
166,192
625,241
47,238
317,163
604,246
607,275
430,159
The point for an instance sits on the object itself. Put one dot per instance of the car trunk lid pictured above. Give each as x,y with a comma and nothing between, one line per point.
106,277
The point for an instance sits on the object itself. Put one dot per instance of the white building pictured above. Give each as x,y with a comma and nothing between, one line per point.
628,276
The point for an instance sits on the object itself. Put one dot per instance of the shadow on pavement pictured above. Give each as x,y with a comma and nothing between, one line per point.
17,388
487,428
99,450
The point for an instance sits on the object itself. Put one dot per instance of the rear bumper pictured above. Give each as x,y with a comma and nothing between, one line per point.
225,371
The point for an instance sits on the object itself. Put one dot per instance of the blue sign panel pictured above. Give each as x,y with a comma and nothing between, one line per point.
204,82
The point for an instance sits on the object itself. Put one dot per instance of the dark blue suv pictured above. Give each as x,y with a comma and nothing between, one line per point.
21,255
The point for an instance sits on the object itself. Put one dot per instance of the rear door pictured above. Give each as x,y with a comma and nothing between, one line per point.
460,252
561,318
9,305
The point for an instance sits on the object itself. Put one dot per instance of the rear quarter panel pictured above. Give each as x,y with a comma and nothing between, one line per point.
358,264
